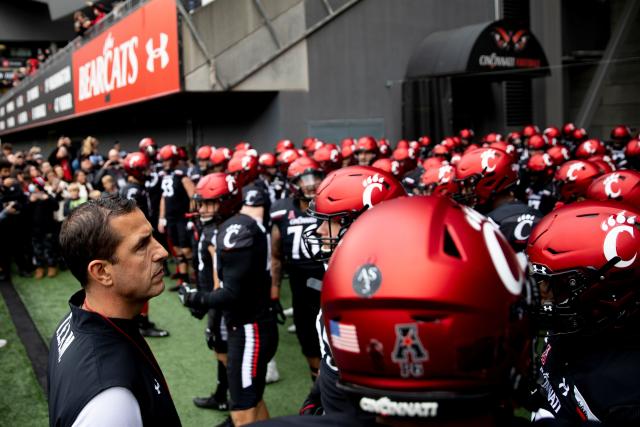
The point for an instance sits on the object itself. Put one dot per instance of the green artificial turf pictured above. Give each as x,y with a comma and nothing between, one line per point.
22,401
188,365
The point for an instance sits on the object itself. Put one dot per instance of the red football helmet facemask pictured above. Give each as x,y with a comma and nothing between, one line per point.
410,319
304,175
622,186
573,178
482,173
343,196
220,187
585,259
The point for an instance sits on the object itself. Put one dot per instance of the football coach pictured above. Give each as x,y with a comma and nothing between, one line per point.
101,371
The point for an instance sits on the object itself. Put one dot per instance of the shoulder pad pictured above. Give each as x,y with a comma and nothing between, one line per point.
235,234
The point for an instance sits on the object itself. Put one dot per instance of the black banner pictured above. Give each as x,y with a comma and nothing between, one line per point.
49,96
507,46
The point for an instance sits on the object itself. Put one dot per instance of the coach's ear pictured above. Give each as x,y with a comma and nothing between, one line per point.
99,272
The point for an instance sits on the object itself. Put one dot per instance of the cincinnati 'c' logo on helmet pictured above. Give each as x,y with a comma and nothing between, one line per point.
608,186
371,183
616,225
484,159
571,172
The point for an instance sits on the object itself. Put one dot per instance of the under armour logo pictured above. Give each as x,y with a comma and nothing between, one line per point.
157,53
538,269
547,307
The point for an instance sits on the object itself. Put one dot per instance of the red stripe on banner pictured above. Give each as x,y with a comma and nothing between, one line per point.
256,350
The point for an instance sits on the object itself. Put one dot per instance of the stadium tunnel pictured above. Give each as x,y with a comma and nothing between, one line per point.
476,76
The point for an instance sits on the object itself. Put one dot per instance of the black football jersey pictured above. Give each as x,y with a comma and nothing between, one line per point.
590,379
293,223
540,198
206,263
244,269
138,192
154,190
516,221
176,199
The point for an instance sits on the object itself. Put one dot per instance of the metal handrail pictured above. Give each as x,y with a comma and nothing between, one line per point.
119,12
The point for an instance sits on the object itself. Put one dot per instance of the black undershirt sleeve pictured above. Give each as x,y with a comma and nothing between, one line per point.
237,270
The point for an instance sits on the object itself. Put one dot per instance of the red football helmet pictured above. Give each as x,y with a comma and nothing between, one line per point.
439,181
388,165
347,142
267,164
406,158
440,151
286,158
573,178
425,141
433,162
580,135
204,153
449,143
366,143
541,164
308,143
632,152
244,169
384,148
604,163
530,130
621,134
558,154
168,152
507,148
284,144
466,135
585,254
411,320
567,131
403,143
537,142
267,160
242,145
590,147
484,173
136,165
490,138
219,187
148,147
551,133
515,139
344,195
622,186
328,157
304,176
220,157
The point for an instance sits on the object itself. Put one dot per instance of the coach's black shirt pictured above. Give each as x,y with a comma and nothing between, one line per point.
89,355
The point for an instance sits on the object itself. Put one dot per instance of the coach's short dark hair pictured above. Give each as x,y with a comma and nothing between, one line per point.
86,234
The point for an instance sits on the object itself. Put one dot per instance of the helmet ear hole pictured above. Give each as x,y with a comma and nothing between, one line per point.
449,245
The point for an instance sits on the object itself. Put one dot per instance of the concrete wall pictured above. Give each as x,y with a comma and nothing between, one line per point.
358,62
30,21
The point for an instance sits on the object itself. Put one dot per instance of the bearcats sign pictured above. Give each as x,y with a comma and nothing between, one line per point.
134,60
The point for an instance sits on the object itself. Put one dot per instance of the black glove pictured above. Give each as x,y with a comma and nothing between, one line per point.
188,296
209,338
311,406
278,313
